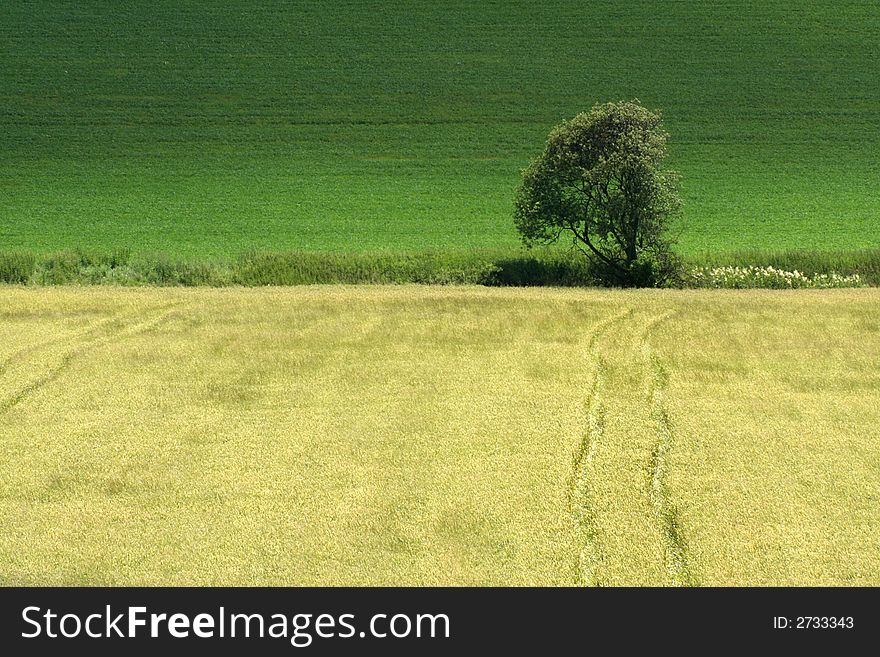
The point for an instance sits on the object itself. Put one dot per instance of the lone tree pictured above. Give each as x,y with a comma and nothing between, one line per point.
600,182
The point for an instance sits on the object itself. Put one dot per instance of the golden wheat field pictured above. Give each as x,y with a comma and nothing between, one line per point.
424,435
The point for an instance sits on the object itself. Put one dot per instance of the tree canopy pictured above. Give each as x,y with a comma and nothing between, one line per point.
600,181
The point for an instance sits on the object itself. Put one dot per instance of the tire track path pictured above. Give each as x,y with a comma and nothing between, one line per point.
590,555
666,515
91,339
83,334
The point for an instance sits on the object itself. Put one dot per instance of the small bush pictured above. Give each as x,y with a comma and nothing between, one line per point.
163,271
57,269
16,267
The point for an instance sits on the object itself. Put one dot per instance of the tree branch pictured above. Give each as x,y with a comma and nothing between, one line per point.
585,238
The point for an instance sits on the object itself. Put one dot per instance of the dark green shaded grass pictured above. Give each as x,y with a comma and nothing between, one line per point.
206,130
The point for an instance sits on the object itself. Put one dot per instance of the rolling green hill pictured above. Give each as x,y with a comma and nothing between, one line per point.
213,128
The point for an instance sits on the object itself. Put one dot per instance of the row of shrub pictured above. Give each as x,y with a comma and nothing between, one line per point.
510,267
497,268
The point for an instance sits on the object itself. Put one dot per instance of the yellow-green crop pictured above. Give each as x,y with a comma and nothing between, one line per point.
417,435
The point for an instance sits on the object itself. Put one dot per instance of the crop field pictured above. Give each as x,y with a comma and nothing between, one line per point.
419,435
208,129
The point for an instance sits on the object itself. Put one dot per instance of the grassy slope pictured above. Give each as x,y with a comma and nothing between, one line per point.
422,435
202,129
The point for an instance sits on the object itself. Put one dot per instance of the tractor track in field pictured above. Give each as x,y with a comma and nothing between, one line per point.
580,498
90,339
81,335
666,515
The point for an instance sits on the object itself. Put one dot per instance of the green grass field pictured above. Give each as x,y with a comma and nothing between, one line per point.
418,435
207,129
